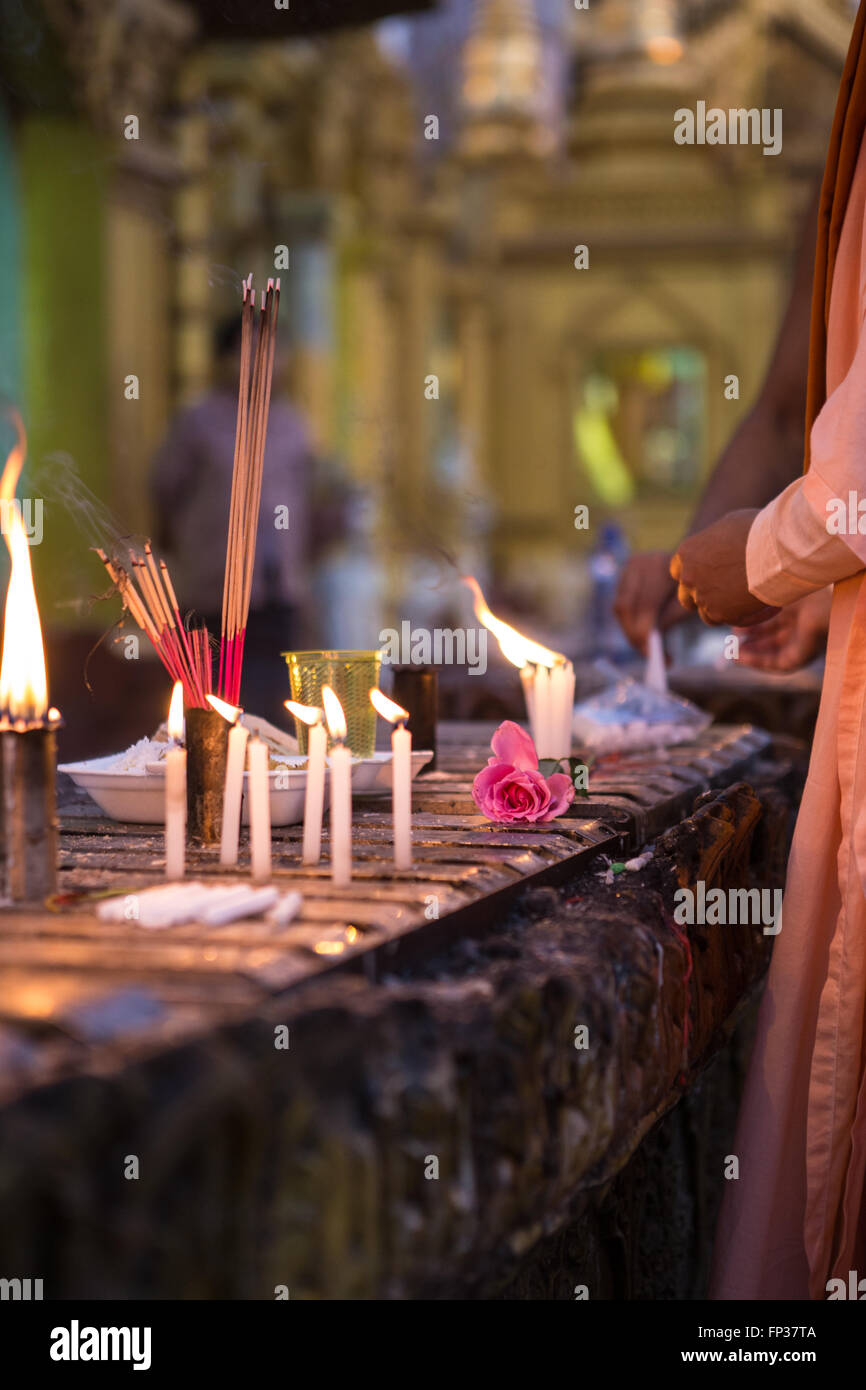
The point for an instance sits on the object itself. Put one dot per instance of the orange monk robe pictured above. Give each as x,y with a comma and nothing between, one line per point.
795,1216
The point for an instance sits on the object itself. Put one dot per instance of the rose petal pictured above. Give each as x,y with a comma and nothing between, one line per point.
507,794
542,797
483,785
514,746
562,794
524,795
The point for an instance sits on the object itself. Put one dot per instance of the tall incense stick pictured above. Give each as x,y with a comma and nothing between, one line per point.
258,344
145,584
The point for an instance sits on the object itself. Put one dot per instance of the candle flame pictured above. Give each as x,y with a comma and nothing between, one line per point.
387,708
334,714
23,681
516,648
175,712
231,713
308,714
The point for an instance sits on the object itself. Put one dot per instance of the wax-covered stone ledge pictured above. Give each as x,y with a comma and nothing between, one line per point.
421,1135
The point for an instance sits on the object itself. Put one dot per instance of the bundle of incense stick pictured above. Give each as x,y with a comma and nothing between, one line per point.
258,340
148,594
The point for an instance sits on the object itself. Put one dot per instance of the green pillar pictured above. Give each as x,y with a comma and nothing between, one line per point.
63,179
10,353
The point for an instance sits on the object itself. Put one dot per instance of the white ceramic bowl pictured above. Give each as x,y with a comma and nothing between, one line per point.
139,797
374,774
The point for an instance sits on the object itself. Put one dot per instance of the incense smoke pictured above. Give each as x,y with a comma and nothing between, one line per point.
59,482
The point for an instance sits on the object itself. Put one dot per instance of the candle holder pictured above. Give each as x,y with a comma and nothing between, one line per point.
28,811
207,737
416,688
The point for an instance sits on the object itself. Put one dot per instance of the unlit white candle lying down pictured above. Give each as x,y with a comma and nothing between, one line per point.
216,904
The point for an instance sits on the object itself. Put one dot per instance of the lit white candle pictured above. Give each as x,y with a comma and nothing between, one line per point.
546,676
340,763
544,712
259,793
234,783
401,777
527,680
175,790
562,708
314,796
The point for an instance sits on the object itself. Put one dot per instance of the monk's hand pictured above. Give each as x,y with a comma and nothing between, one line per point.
710,572
793,637
646,596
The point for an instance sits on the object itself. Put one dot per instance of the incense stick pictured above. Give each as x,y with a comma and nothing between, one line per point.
258,344
145,585
148,595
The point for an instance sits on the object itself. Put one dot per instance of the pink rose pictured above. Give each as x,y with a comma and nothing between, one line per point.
511,788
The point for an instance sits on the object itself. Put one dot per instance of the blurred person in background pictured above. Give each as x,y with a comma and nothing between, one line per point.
763,457
191,487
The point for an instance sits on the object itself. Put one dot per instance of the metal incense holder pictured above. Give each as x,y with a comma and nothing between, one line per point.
28,812
207,739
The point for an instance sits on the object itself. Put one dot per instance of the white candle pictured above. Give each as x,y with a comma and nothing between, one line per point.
401,795
235,903
234,783
655,674
314,796
546,676
233,795
175,791
562,708
543,712
401,777
341,791
259,793
549,694
527,680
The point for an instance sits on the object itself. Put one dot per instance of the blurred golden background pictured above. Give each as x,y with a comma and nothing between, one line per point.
421,181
